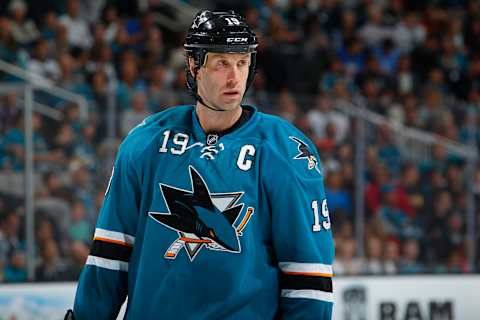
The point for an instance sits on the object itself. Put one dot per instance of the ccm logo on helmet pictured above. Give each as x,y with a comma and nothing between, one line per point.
237,40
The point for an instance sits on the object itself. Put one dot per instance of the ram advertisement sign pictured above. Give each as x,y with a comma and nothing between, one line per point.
356,298
407,298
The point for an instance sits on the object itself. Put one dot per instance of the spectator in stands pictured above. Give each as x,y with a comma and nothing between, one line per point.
90,10
49,26
14,143
346,161
121,41
44,230
438,161
328,143
456,232
101,60
457,262
258,94
373,72
129,82
78,253
338,197
53,202
77,28
71,113
408,196
42,64
437,225
388,152
61,39
16,269
159,93
409,262
334,74
345,261
352,55
406,80
387,56
99,99
395,221
85,149
134,116
374,251
455,182
410,107
434,112
153,50
322,114
346,30
379,177
409,32
391,256
112,22
287,106
279,32
82,178
9,111
24,30
70,76
374,31
65,143
9,235
9,49
79,228
52,267
427,56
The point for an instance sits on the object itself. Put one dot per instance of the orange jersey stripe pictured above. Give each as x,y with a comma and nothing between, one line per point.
191,240
314,274
123,243
245,220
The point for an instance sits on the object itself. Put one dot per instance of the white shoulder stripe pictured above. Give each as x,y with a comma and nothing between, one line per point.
107,263
114,235
308,294
306,267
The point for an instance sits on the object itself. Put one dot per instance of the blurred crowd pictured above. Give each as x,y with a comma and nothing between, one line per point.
415,62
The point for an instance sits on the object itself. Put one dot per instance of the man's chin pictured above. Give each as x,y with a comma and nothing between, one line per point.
230,104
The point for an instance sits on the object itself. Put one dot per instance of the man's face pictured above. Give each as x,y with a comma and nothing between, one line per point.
222,79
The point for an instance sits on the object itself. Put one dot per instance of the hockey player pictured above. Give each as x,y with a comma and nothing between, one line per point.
213,211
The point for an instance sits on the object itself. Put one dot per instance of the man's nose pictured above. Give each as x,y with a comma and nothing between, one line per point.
233,74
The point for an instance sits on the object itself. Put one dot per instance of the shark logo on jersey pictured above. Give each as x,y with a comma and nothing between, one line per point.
202,219
305,153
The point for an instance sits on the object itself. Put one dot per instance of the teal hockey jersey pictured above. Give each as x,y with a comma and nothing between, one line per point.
201,226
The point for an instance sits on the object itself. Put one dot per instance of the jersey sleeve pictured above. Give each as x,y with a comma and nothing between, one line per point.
102,287
301,230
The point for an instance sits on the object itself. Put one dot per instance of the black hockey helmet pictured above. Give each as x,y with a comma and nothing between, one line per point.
213,31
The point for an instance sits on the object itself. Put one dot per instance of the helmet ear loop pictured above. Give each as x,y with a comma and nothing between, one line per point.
253,68
199,61
192,77
192,72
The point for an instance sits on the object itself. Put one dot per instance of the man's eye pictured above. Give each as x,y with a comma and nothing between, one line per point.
242,63
221,63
